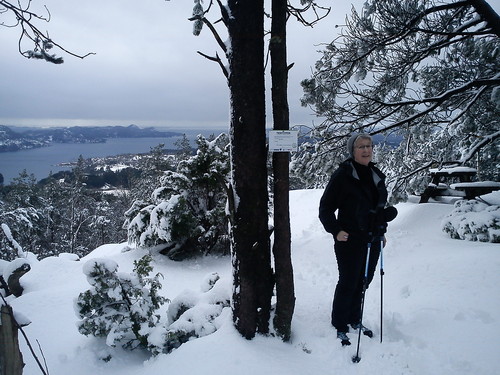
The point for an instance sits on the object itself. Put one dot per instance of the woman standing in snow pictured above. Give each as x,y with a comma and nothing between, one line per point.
357,190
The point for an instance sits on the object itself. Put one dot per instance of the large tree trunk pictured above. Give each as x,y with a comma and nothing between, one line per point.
282,236
252,273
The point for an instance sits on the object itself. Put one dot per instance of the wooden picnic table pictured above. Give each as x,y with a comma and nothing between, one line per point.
444,180
463,174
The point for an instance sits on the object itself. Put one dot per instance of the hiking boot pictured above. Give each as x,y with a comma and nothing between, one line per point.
344,339
366,331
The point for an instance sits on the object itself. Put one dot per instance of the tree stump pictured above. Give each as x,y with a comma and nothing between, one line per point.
13,282
11,359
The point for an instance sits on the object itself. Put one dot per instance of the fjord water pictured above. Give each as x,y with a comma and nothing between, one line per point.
41,161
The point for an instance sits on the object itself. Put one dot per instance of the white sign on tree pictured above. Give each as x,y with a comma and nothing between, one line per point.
283,140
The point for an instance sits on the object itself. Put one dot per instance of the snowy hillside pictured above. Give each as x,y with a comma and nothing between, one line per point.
441,308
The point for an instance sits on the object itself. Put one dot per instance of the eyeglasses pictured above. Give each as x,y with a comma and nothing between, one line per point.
364,147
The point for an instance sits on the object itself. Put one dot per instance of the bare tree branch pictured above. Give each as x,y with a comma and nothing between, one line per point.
218,61
216,35
25,19
319,12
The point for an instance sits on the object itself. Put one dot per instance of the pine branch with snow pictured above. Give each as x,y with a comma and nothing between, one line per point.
13,243
193,314
119,307
186,214
474,220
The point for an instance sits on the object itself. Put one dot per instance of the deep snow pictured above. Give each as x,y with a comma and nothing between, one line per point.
441,308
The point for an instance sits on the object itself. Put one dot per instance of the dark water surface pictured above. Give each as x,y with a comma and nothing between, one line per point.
41,161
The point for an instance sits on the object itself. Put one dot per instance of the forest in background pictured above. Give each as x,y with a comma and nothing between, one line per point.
76,211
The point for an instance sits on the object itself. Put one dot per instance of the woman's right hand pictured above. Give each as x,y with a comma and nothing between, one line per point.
342,236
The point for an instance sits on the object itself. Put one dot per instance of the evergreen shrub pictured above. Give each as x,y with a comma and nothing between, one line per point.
473,220
119,307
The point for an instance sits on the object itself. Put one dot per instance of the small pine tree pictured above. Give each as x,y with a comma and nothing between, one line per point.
184,148
119,307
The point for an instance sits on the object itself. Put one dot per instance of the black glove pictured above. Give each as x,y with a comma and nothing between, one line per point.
380,219
390,213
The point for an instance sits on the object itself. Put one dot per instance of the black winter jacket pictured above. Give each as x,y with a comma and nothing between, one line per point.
357,211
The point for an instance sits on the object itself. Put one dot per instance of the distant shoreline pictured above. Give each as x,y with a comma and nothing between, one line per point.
59,156
31,138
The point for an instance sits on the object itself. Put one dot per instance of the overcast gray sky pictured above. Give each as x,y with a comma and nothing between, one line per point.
146,70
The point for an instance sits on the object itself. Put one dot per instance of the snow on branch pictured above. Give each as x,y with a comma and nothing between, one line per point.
12,241
478,145
25,19
199,20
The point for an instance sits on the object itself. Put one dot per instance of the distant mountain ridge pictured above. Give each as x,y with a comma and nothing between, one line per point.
10,140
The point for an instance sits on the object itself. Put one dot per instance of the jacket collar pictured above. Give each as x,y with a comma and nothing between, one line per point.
376,178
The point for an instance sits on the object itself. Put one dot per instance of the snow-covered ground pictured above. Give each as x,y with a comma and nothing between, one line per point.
441,308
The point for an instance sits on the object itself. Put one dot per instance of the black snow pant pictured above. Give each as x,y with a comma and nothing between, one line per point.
351,262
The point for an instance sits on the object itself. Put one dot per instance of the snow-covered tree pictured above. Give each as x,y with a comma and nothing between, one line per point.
23,228
426,71
120,307
17,250
184,148
152,167
59,215
78,212
21,210
186,214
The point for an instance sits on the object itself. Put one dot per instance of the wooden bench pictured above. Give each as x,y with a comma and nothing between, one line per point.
475,189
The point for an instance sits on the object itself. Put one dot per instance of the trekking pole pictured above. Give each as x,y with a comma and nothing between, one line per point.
389,214
381,285
357,358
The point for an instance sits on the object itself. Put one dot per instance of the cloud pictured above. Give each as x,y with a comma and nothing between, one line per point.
145,71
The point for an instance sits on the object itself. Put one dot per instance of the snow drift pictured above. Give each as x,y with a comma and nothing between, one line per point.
441,308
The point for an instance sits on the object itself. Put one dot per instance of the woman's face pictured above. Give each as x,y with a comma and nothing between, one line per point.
363,151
